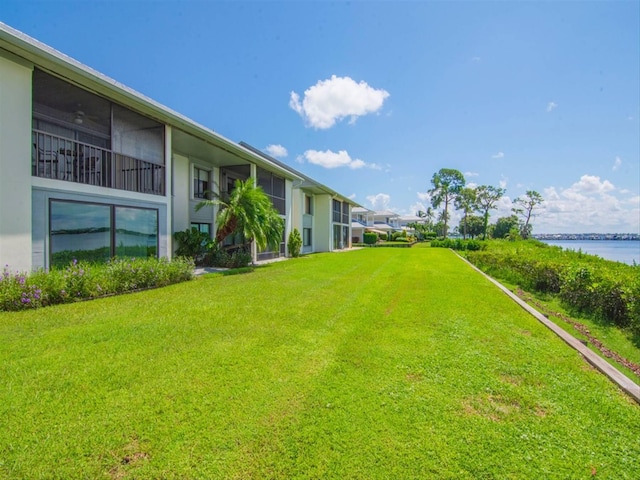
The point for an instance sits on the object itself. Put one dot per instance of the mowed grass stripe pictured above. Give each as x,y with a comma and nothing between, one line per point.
376,363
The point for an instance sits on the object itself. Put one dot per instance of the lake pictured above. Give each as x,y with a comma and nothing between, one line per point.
625,251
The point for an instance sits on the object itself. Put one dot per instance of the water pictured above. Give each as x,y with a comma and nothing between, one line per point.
625,251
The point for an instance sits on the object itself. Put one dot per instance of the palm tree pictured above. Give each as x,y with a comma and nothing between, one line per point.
247,211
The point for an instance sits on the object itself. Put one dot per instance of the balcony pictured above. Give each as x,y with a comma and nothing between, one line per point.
61,158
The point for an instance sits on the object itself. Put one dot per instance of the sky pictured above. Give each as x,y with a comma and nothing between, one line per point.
372,98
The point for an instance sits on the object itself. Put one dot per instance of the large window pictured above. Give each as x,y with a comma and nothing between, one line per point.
200,182
97,232
306,237
337,238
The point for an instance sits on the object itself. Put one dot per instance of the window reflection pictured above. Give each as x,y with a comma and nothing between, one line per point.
136,232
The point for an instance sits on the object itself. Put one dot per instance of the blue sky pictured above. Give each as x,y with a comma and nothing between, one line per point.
372,98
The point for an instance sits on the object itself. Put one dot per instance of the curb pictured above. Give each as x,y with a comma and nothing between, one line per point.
625,383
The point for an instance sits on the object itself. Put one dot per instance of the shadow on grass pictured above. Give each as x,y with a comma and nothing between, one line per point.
237,271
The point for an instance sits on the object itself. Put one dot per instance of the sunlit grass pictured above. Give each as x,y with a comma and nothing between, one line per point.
378,363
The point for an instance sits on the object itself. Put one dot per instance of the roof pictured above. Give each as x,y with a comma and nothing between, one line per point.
360,209
73,71
385,213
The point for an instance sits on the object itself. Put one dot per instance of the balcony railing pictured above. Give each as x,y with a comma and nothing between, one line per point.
63,159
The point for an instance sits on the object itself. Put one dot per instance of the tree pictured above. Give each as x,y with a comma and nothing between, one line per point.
504,225
447,183
525,207
249,212
487,197
475,226
465,201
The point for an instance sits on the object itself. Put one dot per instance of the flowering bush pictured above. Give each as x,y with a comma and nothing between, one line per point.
82,280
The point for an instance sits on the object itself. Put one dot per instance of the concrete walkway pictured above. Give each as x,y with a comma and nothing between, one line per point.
617,377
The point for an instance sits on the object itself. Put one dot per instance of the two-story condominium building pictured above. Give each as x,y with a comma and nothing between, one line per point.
91,169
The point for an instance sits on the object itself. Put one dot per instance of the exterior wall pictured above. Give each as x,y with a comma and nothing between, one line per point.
15,163
322,233
180,189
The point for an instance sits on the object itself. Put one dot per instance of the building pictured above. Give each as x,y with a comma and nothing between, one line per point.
92,169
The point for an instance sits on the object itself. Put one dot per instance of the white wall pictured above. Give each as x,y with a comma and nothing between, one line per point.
322,232
180,192
15,163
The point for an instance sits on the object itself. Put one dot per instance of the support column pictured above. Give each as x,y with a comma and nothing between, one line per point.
16,147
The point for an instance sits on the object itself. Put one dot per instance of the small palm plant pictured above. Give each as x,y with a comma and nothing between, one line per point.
247,211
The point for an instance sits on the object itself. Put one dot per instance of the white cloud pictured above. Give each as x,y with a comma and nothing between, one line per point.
471,174
424,196
591,204
277,151
503,182
616,164
417,207
352,196
551,106
498,155
329,159
380,201
329,101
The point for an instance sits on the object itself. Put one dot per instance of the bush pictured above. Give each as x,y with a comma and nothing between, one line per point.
295,243
370,238
193,244
227,258
605,290
82,280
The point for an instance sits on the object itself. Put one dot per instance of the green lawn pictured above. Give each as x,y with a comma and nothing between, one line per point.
377,363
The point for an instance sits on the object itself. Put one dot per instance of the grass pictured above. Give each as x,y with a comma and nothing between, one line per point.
377,363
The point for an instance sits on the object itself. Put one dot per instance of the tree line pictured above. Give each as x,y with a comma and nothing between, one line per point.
448,190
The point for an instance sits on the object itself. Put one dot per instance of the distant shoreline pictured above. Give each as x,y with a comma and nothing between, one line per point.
587,236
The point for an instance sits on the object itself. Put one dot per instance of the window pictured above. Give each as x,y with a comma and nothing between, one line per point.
274,187
97,232
202,227
306,237
345,212
345,237
337,217
308,205
200,182
337,240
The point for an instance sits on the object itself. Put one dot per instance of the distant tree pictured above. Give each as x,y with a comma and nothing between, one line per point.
487,197
525,207
504,226
465,201
475,225
447,183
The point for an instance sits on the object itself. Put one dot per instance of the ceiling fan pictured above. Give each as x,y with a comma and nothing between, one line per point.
79,116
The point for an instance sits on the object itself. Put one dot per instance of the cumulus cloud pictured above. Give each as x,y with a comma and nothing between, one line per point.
591,204
424,196
329,159
380,201
498,155
616,164
352,196
471,174
551,106
277,151
417,207
332,100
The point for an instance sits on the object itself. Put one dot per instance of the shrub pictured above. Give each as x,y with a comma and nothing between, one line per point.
193,244
225,258
295,243
370,238
82,280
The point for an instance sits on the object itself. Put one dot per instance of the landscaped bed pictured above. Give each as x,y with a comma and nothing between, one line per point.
376,363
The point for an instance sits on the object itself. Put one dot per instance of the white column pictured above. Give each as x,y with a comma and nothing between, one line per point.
15,163
254,177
